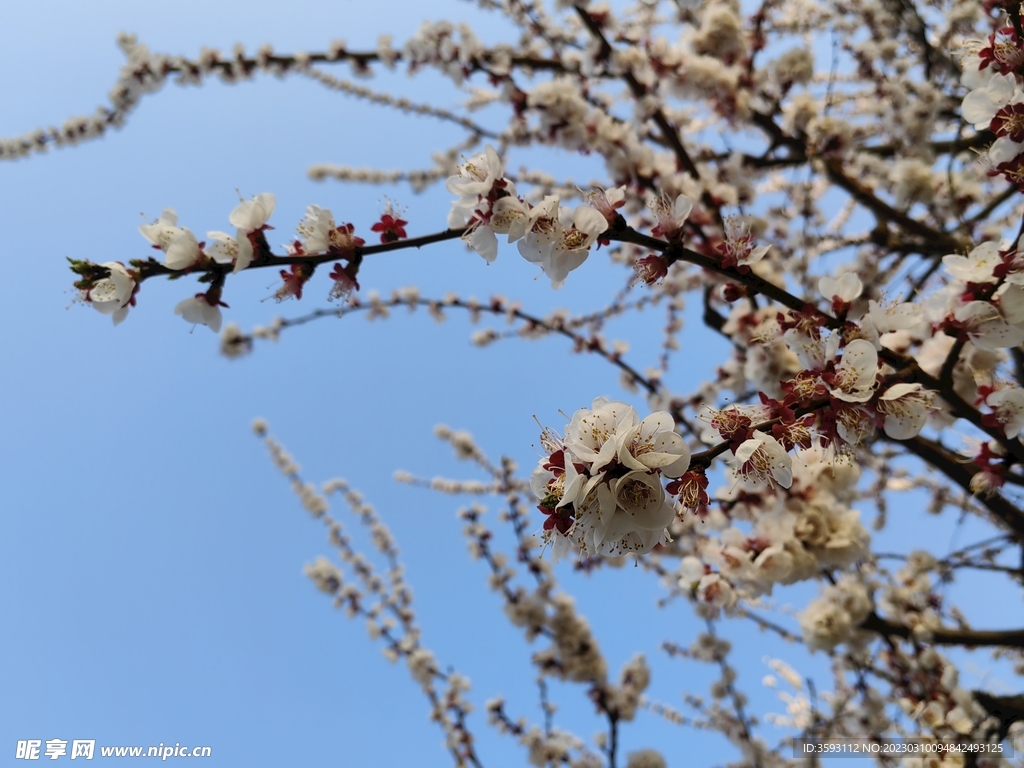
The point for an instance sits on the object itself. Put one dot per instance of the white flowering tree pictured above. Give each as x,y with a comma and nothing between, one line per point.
836,187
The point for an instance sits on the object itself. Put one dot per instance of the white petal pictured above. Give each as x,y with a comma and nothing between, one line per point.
269,203
534,250
183,251
846,287
223,249
978,108
1011,304
589,220
561,264
199,312
483,241
810,352
245,251
493,162
906,422
161,230
861,357
1003,150
253,214
681,210
994,335
897,391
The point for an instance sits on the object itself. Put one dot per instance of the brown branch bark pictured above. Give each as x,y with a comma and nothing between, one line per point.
965,638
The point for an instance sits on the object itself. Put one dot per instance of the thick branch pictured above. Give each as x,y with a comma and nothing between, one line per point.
960,473
965,638
935,241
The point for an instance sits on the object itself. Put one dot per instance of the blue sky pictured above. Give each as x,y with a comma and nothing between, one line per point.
151,557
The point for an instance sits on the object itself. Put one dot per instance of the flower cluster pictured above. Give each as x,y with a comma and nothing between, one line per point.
110,288
558,239
833,617
995,100
600,485
800,361
984,302
184,253
794,533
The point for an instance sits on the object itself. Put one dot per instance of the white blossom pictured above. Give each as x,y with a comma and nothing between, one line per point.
476,176
251,215
542,229
977,266
716,591
224,249
199,311
981,104
162,231
905,407
855,374
507,216
763,460
112,295
1008,405
653,444
846,287
986,327
830,619
560,247
180,247
593,433
893,316
1003,150
671,215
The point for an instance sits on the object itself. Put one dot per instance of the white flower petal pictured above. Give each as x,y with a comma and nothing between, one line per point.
183,251
245,251
253,214
199,312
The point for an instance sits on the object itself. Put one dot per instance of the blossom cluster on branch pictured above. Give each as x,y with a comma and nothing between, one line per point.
833,224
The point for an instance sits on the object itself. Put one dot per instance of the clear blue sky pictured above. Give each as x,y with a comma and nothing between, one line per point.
150,557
